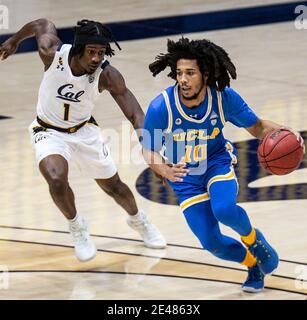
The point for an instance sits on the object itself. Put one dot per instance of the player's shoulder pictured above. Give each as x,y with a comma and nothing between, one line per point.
158,103
110,78
157,113
228,92
109,72
157,106
231,98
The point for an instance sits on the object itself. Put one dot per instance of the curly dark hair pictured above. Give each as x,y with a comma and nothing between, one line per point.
213,61
91,28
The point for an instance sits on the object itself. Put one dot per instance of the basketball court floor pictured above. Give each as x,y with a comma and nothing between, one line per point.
36,252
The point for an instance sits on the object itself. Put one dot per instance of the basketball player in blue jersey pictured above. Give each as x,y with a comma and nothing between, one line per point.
64,129
184,144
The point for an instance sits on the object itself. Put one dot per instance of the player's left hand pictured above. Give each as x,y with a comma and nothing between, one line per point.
298,137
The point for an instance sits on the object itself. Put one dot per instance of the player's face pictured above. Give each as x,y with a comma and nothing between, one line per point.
190,79
92,57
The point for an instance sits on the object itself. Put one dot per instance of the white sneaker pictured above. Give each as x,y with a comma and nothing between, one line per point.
85,249
150,234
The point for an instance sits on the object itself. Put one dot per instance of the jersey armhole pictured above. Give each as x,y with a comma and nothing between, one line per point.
55,58
59,47
104,64
99,71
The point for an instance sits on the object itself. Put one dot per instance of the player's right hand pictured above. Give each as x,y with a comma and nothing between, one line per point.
299,138
8,48
176,172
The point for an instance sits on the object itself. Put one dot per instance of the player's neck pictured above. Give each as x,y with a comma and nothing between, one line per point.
194,102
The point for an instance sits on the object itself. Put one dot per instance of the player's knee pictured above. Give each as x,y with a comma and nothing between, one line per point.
58,185
225,212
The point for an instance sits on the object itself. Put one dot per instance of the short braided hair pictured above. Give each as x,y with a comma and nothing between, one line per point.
91,28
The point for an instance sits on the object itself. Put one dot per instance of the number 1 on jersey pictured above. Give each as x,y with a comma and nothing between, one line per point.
66,111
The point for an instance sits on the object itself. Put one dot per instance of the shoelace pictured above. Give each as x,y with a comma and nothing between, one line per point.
262,251
255,274
79,236
141,221
145,224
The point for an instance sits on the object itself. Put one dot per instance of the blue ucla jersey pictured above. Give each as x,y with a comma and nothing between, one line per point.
194,134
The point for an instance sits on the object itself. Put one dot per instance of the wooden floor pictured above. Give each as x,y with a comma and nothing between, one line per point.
34,243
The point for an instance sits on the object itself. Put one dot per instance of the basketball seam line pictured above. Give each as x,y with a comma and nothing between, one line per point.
276,144
282,155
264,142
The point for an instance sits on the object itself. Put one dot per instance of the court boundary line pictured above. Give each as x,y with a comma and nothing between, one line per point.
129,239
160,258
149,274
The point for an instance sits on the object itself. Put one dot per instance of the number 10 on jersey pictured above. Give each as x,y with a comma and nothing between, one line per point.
195,154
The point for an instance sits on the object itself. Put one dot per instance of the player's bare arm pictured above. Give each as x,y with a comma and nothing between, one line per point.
112,80
173,173
262,127
46,37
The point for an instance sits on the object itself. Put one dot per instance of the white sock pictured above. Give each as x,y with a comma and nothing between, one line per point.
137,216
76,221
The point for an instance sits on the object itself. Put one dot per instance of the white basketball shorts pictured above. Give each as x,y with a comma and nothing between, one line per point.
85,147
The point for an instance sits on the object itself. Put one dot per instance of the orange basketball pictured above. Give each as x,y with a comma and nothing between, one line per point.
280,153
